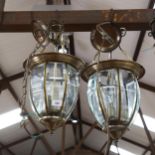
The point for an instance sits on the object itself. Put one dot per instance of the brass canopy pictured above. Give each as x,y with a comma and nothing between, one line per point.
55,57
106,37
132,66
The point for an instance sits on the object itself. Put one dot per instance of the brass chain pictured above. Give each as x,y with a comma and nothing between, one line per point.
24,88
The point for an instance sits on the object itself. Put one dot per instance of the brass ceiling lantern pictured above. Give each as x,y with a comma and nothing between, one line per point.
113,91
53,78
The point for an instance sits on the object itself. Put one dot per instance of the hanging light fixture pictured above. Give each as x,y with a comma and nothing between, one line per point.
52,79
113,92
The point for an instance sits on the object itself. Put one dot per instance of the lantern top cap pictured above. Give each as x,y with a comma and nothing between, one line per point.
132,66
55,57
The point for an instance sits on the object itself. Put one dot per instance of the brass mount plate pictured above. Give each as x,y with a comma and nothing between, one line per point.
106,37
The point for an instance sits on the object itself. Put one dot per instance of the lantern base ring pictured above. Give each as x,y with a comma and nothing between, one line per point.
116,131
52,122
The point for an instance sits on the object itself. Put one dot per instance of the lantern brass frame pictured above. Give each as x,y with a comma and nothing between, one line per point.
116,130
52,122
132,66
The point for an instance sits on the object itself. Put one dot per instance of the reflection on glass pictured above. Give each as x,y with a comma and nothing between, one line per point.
54,89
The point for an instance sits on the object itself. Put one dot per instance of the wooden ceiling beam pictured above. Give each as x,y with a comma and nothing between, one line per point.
56,2
139,45
148,134
15,96
3,147
49,2
19,141
3,82
137,19
2,4
93,150
83,122
72,52
141,35
7,149
79,127
123,138
147,87
67,2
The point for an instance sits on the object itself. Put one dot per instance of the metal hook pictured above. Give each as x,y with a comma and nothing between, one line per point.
40,32
123,31
150,34
111,15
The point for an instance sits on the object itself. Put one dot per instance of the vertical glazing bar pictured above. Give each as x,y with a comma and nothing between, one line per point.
34,107
100,100
119,95
134,110
53,83
133,113
45,93
103,109
127,103
65,89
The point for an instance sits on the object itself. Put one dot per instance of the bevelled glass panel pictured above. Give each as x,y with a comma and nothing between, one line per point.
117,92
36,88
54,89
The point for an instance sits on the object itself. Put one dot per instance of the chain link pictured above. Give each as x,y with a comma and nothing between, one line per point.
26,73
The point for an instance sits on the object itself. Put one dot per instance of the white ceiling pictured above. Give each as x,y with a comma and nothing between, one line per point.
15,48
22,5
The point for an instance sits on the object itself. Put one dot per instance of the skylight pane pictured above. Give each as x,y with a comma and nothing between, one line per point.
121,151
10,118
149,122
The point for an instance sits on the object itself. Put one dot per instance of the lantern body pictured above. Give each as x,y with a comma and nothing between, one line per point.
53,92
116,93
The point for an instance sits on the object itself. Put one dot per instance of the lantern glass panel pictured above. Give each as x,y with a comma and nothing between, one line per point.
119,96
54,89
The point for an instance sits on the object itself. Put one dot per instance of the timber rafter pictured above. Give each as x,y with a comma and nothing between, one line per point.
77,21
